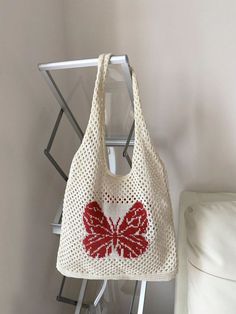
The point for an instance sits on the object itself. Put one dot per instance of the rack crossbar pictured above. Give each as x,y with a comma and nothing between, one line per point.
73,64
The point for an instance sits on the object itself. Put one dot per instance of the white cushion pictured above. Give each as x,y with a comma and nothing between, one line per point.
187,199
211,236
208,294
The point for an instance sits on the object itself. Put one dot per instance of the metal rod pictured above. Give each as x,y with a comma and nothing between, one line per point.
60,298
56,228
128,139
133,298
56,224
55,90
142,297
84,63
62,286
128,79
127,71
66,300
128,160
81,296
54,131
101,292
118,142
58,216
56,165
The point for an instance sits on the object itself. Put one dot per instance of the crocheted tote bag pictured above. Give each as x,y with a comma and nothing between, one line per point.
116,226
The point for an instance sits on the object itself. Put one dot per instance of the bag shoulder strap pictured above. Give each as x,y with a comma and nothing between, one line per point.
97,116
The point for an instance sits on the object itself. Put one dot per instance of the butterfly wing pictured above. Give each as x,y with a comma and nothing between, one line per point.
98,242
131,241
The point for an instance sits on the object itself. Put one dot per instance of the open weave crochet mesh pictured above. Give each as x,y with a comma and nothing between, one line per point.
91,181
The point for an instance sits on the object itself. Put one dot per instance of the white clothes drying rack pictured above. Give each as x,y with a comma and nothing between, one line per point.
95,307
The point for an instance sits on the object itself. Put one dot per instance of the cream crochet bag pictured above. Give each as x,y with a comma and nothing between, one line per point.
116,226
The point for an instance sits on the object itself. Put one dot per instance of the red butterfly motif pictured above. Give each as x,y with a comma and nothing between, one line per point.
126,237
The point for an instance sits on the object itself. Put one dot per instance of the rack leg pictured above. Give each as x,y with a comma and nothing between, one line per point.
95,310
133,298
101,293
142,297
81,296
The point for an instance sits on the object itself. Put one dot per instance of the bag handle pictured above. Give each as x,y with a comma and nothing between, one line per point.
98,103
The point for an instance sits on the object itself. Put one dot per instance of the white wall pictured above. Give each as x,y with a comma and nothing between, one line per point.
30,32
184,56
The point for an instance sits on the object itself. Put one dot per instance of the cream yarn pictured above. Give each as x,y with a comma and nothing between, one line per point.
116,227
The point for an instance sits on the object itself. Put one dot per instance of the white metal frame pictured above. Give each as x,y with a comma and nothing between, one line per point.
56,225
